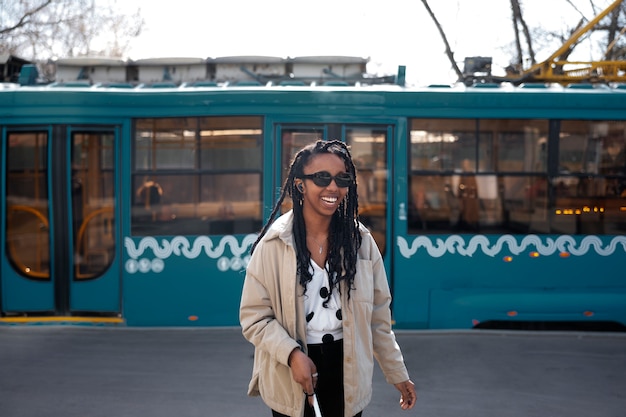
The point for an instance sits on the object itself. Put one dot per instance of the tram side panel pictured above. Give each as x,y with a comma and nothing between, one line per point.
184,280
465,281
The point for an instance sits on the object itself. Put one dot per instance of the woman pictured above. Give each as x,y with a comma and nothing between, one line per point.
315,301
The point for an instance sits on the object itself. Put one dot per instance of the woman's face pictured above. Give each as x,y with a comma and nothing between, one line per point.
323,200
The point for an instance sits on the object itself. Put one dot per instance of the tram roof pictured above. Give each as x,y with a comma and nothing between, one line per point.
76,105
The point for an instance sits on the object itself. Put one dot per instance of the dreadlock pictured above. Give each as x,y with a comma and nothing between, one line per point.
344,236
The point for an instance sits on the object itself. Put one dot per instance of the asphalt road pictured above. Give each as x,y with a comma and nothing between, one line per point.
75,371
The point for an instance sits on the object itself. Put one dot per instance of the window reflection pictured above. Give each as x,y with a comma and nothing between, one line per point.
510,186
590,190
93,203
521,145
368,146
438,145
197,176
165,143
27,222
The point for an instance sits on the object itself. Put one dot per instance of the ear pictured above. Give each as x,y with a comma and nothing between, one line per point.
300,187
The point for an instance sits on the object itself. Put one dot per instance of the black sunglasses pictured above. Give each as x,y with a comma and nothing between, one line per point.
323,179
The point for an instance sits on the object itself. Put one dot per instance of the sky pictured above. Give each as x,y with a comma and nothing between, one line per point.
388,32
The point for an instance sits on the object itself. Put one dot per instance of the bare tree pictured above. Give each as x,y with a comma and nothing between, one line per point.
45,29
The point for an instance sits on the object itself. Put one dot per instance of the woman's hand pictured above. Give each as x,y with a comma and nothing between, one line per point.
304,372
408,396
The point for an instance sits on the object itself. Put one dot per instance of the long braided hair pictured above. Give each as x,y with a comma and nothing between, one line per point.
344,235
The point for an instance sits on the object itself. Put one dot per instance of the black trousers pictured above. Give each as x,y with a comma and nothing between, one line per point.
328,359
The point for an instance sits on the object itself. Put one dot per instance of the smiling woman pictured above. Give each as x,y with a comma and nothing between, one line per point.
321,253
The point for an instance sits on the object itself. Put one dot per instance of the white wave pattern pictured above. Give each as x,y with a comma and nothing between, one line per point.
456,244
181,246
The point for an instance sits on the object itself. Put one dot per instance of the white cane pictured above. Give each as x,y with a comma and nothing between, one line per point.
316,407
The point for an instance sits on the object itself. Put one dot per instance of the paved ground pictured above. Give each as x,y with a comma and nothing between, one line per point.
67,371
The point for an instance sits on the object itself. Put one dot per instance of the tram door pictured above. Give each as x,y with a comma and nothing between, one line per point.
369,146
59,255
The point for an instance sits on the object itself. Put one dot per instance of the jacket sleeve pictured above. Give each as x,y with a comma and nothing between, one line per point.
386,349
261,292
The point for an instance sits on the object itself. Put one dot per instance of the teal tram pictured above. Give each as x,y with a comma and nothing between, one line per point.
492,205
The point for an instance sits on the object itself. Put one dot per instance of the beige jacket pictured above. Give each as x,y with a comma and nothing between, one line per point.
272,318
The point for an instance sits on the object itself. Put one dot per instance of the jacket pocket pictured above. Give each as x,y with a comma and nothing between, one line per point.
275,383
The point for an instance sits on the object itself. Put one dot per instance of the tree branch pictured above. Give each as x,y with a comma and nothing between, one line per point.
449,52
25,19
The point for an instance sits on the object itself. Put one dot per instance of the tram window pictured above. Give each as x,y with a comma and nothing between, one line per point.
477,203
432,203
230,142
165,143
368,146
590,190
524,204
456,150
211,185
93,202
593,147
457,182
441,144
520,145
585,193
368,149
582,207
26,196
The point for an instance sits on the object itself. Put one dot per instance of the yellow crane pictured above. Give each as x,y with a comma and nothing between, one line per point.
553,70
567,72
